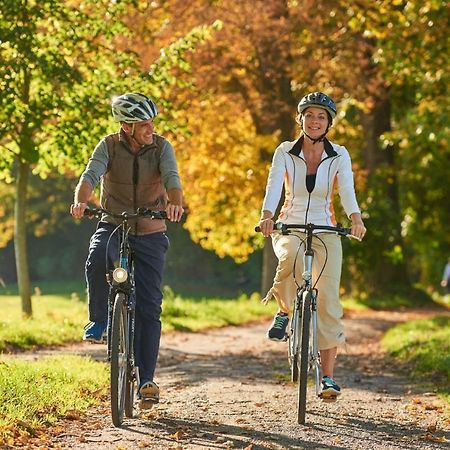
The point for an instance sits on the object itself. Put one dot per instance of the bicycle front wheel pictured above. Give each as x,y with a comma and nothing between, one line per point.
119,358
131,372
293,347
304,357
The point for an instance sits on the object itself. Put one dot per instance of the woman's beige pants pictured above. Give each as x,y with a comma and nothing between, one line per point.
289,250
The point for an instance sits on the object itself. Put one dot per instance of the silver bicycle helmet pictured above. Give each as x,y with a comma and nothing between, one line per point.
319,100
133,107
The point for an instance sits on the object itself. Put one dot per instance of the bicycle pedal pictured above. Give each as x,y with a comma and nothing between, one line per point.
147,403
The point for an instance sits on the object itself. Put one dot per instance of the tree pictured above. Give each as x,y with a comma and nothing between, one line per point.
52,78
60,68
265,57
243,75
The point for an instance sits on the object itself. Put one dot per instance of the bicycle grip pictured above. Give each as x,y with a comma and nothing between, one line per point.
257,228
89,212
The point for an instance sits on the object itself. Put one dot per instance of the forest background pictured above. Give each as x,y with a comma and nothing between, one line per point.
227,76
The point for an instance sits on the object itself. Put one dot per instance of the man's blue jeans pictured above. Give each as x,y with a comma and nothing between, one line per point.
149,254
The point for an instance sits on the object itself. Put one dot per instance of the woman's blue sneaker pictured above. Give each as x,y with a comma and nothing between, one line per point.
95,332
277,331
330,389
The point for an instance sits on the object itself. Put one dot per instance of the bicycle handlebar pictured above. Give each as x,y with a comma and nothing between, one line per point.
284,228
141,212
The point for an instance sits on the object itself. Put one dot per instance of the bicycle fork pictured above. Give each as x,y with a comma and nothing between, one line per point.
314,356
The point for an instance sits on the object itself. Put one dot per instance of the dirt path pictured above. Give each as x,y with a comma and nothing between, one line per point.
228,388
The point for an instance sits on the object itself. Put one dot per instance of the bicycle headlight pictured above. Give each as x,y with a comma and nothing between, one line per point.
120,275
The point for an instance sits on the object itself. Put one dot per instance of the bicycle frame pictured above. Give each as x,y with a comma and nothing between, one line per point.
127,288
121,317
303,352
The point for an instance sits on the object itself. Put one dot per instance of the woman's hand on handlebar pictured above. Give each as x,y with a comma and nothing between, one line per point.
77,210
266,226
358,228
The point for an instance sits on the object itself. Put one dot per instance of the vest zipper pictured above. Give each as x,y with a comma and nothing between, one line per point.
135,183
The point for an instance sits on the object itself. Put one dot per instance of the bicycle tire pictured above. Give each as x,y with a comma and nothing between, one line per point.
130,378
304,357
293,346
119,351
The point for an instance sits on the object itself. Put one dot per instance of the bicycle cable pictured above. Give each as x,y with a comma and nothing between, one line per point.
325,263
302,241
107,246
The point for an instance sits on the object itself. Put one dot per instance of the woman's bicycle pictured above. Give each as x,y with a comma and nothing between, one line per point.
303,352
121,315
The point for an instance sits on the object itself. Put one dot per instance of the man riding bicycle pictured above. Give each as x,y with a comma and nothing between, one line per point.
311,168
137,169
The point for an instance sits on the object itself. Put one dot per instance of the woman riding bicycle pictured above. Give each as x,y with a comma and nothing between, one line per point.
311,169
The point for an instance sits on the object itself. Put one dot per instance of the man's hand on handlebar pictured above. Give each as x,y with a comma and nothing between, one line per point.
174,212
77,210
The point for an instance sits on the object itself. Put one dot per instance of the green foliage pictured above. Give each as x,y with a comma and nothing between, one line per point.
425,345
410,49
58,73
38,393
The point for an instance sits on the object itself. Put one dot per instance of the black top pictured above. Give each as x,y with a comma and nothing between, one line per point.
310,181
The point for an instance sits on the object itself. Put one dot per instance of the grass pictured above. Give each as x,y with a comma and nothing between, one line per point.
38,393
425,346
56,319
199,314
59,318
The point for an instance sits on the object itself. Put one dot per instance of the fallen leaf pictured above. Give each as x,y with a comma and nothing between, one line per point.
178,435
72,414
432,437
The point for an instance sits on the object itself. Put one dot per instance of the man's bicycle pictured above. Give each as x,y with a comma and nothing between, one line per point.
303,352
121,315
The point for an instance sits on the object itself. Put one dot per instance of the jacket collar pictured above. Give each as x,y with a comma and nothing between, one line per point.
297,147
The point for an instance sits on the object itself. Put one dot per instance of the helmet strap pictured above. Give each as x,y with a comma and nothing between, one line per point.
319,139
315,140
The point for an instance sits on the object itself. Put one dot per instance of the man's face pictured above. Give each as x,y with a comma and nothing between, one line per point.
143,131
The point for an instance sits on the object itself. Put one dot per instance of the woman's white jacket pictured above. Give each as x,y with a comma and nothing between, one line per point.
300,206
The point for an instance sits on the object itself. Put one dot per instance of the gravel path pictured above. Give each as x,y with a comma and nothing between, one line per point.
229,389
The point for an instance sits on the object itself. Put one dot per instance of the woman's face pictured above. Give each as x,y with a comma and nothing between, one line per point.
315,121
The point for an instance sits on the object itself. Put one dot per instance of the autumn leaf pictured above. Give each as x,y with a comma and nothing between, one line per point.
178,435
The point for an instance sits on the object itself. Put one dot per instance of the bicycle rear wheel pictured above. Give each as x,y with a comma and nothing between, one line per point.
119,358
304,357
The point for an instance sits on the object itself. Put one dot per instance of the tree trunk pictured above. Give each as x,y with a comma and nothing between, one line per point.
20,238
384,224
